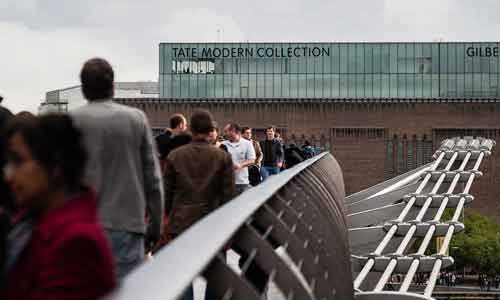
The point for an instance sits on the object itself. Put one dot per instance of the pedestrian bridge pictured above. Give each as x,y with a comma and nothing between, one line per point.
301,238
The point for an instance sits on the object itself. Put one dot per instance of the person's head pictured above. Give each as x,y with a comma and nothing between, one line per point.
24,114
97,79
277,135
246,132
232,131
213,136
202,123
45,157
178,123
270,133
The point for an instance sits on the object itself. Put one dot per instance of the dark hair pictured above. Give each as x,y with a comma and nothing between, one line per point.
245,129
201,122
97,79
270,127
54,142
1,98
235,127
176,120
25,114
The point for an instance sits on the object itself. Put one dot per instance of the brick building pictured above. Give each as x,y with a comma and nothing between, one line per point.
373,139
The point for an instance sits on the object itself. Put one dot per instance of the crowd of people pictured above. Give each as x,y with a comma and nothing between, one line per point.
86,196
488,283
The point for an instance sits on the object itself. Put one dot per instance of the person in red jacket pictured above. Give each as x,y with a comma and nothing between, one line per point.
57,248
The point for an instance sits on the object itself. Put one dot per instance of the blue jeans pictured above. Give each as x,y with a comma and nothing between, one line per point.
128,250
267,171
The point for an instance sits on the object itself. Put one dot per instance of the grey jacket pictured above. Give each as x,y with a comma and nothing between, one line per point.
123,166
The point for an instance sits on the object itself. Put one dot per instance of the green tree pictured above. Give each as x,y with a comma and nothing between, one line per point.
478,246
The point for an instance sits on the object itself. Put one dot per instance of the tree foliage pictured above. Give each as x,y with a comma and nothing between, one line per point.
478,246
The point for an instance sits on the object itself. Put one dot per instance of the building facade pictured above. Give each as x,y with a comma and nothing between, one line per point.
329,70
70,98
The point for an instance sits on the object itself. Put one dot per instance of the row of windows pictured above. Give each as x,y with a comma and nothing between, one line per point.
330,85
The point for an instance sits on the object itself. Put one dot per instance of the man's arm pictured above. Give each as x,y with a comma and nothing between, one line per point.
169,184
280,155
153,184
249,157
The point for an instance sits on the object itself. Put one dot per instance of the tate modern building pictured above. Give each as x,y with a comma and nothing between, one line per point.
329,70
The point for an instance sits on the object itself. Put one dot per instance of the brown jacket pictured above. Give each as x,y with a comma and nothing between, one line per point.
198,178
258,152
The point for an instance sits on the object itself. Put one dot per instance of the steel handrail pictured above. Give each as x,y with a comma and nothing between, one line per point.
178,264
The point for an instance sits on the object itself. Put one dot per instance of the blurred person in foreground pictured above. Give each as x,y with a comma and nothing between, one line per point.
123,167
199,178
57,248
7,206
253,170
242,153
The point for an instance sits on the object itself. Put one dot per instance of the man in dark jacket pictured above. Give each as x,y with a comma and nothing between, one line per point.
272,154
172,137
198,177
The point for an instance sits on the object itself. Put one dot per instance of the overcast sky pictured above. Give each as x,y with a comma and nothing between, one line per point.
44,42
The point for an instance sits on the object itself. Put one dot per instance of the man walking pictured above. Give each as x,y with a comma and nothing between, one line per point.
242,154
198,179
254,169
123,166
173,137
272,153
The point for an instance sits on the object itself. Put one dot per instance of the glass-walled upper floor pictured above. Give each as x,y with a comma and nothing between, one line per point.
329,70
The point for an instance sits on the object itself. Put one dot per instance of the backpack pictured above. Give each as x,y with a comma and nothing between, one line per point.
254,175
308,152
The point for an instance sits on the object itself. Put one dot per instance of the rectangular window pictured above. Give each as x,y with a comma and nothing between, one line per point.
343,86
294,85
219,86
302,86
269,85
276,86
285,85
261,84
193,86
252,85
311,87
368,59
343,58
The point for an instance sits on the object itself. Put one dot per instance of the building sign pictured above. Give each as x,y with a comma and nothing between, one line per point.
482,51
261,52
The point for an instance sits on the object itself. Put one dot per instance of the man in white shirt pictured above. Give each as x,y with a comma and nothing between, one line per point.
242,154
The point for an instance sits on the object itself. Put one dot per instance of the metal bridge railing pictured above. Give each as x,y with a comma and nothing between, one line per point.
292,231
300,212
